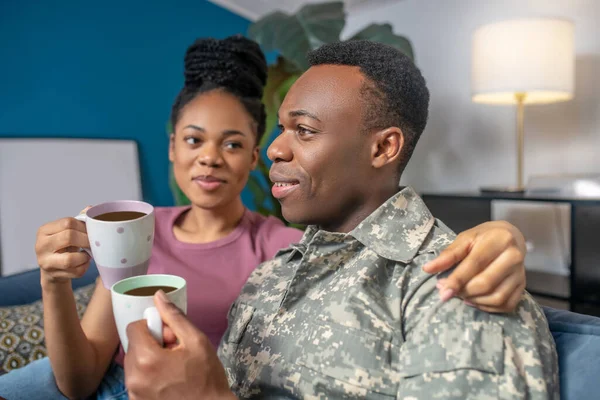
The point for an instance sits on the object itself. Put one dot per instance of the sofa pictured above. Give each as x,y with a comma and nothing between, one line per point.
21,322
577,336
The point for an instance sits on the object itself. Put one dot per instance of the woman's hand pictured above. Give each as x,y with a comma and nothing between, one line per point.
58,251
489,273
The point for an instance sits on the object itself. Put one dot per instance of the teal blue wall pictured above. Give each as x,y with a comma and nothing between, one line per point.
106,69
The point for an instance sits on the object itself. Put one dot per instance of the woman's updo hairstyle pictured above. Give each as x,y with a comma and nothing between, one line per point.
235,65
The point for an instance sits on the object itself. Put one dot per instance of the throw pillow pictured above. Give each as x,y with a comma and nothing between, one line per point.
22,331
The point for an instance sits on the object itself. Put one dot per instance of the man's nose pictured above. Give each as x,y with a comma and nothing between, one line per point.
280,150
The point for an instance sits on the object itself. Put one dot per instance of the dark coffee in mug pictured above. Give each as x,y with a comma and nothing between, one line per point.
117,216
149,290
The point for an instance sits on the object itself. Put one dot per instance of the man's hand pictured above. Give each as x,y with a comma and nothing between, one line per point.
187,369
490,273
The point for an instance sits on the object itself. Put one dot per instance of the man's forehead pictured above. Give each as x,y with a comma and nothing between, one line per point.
324,76
323,84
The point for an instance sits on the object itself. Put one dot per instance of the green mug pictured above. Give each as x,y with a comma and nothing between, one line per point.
133,300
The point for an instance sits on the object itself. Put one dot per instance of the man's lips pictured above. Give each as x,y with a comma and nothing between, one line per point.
282,189
282,185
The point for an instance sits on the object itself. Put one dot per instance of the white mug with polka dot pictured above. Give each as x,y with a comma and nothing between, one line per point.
120,248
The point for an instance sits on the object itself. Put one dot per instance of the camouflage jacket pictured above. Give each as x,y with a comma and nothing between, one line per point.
353,316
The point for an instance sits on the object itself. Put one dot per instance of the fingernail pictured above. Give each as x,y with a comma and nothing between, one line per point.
447,294
467,302
440,283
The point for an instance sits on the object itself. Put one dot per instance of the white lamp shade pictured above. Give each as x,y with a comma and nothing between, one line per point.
535,57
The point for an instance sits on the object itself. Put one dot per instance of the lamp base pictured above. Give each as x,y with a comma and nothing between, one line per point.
502,189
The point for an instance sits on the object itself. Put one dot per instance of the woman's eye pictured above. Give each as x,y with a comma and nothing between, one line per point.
233,145
191,140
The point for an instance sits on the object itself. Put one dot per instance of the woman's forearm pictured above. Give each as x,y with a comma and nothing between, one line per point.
72,356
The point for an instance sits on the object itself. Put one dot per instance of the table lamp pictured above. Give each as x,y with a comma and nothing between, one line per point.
523,61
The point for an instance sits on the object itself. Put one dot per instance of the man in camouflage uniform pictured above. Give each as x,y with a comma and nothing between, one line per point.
348,316
349,313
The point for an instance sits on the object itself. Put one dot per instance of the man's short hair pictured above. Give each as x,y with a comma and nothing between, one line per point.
395,92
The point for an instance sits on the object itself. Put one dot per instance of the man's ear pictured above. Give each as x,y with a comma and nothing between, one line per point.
172,147
386,147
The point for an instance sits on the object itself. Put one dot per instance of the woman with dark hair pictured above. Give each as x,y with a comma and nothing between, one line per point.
218,119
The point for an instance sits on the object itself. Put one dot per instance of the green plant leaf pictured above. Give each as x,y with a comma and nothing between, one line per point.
179,197
278,73
275,207
276,97
258,192
383,33
285,86
260,187
295,35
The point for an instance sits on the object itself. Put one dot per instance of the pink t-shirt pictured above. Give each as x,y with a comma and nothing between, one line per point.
215,272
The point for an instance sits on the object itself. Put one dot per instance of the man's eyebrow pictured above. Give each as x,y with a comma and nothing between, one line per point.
303,113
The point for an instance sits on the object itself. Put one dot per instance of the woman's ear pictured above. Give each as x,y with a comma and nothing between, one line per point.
386,147
255,157
172,147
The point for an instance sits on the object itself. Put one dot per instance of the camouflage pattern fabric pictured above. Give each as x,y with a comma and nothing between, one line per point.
353,316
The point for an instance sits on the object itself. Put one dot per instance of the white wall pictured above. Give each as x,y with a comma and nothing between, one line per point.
42,180
469,145
466,145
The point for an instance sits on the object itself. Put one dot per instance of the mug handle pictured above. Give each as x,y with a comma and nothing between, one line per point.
83,218
155,324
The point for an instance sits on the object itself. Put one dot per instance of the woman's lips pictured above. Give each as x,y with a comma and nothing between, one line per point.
209,183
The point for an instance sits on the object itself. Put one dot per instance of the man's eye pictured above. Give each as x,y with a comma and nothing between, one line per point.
304,131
